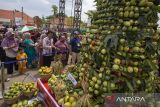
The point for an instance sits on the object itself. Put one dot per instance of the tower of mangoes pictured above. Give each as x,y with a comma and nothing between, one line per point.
124,56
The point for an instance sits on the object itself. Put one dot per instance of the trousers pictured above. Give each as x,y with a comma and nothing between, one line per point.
75,58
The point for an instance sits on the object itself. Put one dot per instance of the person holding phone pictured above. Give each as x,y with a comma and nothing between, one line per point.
47,49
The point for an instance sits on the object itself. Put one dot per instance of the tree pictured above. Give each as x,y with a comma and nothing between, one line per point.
55,10
37,21
91,14
43,20
49,17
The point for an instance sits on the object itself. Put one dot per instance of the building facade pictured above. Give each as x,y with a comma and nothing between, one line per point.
14,17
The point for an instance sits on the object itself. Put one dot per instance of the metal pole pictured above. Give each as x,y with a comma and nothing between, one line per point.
2,79
14,17
22,15
72,14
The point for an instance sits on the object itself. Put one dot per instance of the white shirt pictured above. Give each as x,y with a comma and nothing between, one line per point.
47,46
10,53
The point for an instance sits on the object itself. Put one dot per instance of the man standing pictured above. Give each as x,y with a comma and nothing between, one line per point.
75,48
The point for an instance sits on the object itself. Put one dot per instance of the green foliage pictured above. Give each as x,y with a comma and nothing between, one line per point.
55,10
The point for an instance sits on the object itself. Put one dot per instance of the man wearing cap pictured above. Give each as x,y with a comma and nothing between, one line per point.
75,47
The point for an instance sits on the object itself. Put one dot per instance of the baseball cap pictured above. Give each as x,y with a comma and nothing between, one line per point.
76,32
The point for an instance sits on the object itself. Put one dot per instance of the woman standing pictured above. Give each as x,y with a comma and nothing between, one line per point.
29,48
47,49
10,45
63,49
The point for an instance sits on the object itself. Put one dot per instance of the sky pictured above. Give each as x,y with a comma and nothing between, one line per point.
43,7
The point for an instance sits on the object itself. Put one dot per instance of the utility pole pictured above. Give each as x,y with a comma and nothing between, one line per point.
14,12
22,15
12,17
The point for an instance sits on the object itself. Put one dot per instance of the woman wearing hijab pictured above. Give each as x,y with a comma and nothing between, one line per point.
10,45
63,48
47,49
29,48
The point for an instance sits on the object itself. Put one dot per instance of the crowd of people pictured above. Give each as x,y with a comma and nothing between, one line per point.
35,50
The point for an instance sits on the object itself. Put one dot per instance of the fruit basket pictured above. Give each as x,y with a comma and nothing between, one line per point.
12,94
45,77
29,89
57,86
29,94
33,102
12,100
45,73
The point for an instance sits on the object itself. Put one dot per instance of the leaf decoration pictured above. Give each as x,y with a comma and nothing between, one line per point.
111,42
152,65
146,66
150,49
147,35
132,36
152,16
97,59
158,48
129,85
142,21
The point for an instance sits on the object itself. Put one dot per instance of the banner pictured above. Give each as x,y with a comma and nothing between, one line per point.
18,21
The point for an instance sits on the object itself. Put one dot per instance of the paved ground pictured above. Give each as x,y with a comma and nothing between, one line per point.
17,78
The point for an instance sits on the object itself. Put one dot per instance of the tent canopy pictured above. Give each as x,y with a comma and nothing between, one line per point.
27,28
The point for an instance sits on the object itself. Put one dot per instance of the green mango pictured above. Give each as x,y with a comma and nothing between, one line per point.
25,102
40,105
14,105
20,104
126,14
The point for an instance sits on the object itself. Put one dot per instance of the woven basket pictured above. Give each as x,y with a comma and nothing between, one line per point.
57,93
57,96
29,94
45,77
12,100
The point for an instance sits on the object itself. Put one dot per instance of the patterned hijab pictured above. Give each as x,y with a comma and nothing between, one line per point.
9,40
27,35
